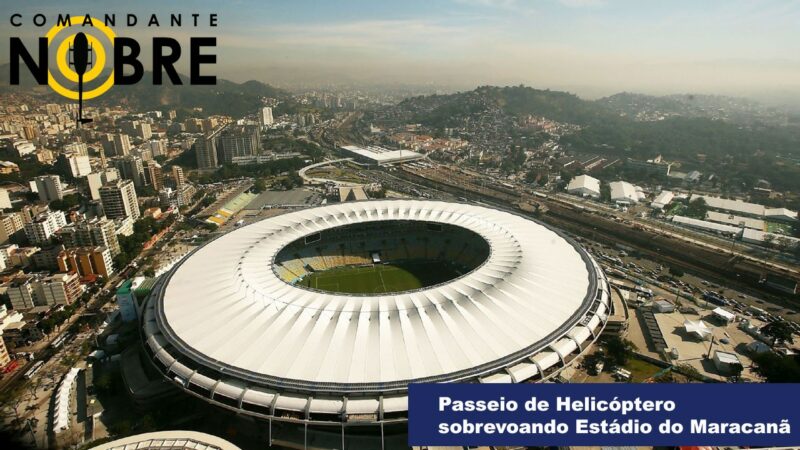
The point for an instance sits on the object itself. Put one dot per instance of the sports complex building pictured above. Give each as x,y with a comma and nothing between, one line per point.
322,317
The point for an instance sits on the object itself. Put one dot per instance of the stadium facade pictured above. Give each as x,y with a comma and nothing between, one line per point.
233,325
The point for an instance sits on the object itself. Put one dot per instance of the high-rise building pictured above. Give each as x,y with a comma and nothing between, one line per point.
28,291
75,166
177,175
122,144
158,147
143,130
76,148
49,188
239,142
154,176
12,227
206,150
98,179
5,359
119,200
5,199
86,261
131,168
44,226
266,116
91,233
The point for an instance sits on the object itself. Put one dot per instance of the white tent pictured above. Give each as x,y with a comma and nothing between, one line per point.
725,315
698,328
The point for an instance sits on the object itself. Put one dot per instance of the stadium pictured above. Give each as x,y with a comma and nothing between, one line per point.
323,316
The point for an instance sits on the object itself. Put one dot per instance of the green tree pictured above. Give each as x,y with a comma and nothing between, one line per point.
777,368
619,350
697,208
676,272
259,186
780,332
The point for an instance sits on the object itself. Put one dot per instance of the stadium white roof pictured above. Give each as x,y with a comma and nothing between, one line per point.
225,308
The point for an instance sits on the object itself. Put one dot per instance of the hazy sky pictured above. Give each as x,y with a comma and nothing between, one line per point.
591,47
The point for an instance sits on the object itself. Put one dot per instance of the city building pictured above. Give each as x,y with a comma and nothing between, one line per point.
143,130
28,291
178,176
266,116
86,261
741,207
126,299
122,144
206,150
12,227
624,193
238,141
5,359
655,166
5,199
119,200
158,147
153,175
76,148
585,186
91,233
44,226
75,166
49,188
176,198
96,180
131,167
663,199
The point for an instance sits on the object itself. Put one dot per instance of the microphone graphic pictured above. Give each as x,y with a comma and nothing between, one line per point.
81,53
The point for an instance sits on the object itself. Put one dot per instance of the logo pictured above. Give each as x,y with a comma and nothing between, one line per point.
81,57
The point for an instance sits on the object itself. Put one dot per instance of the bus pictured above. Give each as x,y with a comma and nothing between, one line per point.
32,371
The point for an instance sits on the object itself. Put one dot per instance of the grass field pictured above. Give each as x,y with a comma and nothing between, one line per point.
779,228
381,278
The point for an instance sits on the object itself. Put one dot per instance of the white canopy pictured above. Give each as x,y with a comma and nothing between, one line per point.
723,314
698,328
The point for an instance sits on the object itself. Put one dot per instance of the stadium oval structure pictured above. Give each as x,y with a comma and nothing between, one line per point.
230,325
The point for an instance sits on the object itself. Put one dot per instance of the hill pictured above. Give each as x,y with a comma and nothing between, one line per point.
226,97
604,128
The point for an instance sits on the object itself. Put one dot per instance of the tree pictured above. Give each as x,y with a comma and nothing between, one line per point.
777,368
697,208
676,272
68,202
780,332
618,350
149,272
782,243
259,186
769,239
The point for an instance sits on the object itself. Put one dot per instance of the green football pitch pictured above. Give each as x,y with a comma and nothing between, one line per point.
381,278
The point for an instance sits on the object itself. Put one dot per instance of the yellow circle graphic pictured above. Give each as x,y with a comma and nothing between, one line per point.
70,74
